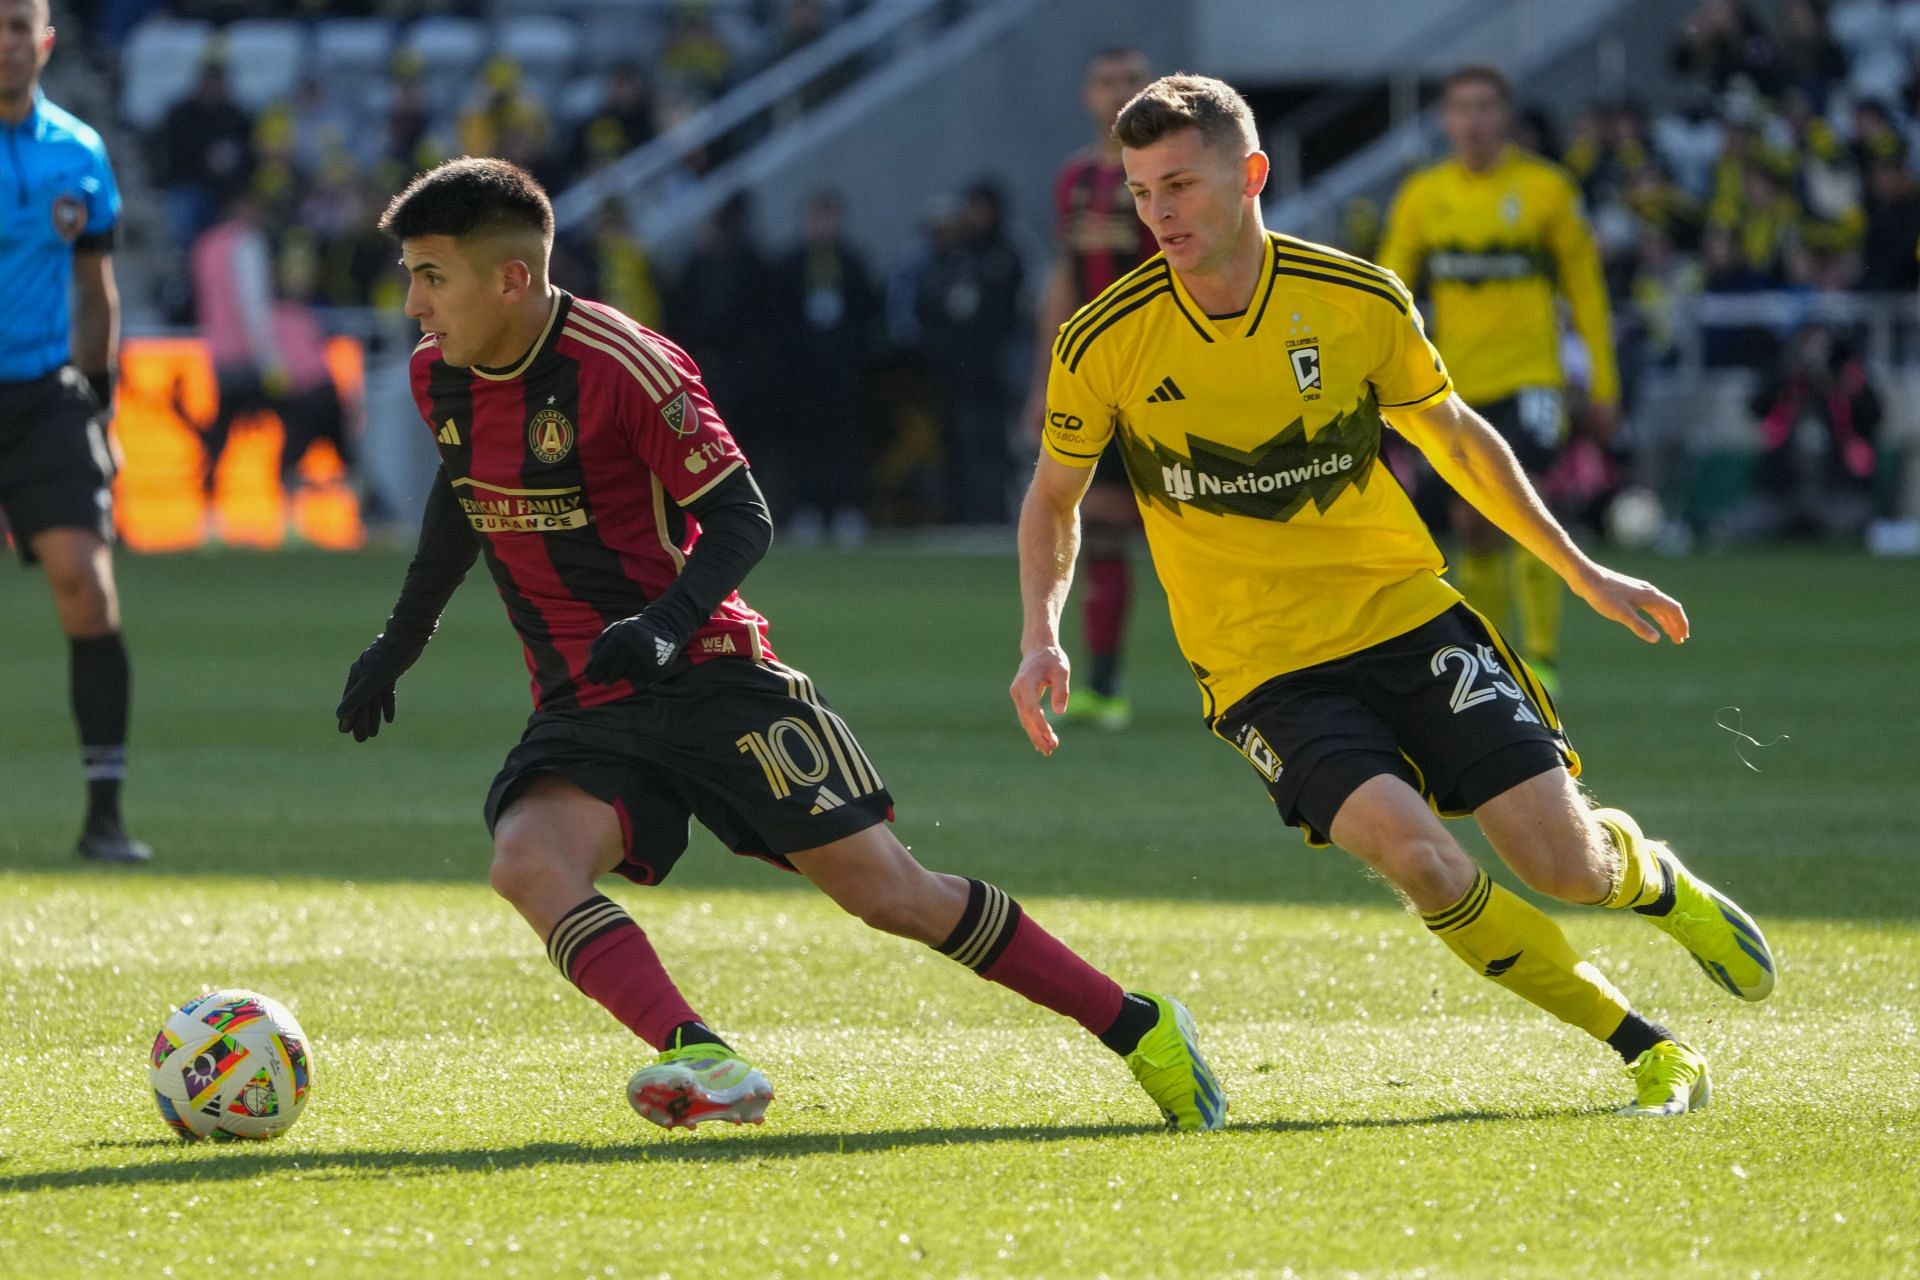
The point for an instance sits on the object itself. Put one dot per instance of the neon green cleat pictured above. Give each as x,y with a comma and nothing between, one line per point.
1101,710
1168,1065
700,1082
1668,1080
1724,941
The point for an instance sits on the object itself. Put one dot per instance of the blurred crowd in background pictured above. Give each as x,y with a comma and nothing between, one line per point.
856,384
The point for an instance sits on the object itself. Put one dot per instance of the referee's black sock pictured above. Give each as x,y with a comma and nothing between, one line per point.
100,683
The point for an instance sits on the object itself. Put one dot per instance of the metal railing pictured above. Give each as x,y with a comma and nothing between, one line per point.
769,98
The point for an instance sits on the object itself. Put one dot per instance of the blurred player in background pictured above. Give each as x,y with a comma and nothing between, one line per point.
1098,239
1495,233
1305,590
581,456
59,338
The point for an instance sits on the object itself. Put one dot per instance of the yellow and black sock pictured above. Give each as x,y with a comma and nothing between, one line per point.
1540,598
1513,943
1642,881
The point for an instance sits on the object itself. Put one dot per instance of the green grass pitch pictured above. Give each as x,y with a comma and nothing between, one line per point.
1392,1114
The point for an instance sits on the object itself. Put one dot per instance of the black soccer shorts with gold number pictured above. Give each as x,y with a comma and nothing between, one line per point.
1447,707
749,748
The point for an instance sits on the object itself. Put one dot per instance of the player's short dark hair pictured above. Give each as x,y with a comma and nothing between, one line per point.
474,195
1480,73
1185,101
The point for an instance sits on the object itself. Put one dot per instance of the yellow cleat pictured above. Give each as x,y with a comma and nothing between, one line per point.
1668,1080
1168,1065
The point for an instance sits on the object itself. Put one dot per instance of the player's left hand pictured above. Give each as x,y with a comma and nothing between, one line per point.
1631,602
637,649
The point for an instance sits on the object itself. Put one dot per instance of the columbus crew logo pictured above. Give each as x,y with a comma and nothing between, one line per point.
550,435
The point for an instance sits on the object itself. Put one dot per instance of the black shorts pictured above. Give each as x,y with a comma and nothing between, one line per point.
56,470
749,748
1448,707
1534,421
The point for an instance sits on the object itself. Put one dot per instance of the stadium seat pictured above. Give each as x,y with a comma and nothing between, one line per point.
352,48
451,49
161,63
266,60
544,47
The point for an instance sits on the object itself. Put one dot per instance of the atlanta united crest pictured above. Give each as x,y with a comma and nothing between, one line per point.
550,435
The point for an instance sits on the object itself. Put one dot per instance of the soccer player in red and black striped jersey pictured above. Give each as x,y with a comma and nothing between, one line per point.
1098,238
581,457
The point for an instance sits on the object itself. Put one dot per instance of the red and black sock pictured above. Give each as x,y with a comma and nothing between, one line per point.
1109,591
604,953
1001,943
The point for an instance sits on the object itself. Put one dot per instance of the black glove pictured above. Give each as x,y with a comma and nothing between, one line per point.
639,649
370,680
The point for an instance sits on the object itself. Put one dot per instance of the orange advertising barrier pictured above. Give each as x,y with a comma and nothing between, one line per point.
157,499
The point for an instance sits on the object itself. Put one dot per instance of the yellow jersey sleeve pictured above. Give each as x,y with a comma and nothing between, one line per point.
1079,412
1410,373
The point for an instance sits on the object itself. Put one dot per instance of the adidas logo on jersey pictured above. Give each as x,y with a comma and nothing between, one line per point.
448,434
1167,390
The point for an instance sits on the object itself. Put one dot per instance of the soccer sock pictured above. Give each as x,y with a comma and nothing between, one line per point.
1540,596
1002,944
1137,1016
100,683
1109,590
1636,1035
1510,941
692,1033
604,953
1482,579
1642,881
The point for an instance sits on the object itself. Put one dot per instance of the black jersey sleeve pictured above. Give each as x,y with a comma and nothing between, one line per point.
447,549
735,531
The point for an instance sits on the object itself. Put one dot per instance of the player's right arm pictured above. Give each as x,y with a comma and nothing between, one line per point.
1079,422
1049,542
447,549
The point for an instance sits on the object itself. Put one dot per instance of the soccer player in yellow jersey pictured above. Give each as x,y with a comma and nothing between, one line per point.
1495,233
1247,377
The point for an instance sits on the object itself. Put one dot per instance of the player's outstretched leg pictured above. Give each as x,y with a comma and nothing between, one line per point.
1496,933
871,875
1723,940
549,843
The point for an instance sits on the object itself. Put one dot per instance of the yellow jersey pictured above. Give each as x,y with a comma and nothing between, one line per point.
1253,446
1492,249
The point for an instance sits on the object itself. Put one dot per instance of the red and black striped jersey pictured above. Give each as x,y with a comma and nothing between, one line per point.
1095,224
573,467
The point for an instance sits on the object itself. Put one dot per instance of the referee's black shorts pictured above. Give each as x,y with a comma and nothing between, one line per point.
56,470
749,748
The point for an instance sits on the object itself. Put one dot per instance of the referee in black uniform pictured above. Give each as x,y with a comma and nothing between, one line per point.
58,334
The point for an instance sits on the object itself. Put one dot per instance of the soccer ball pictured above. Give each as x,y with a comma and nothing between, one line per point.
1635,518
232,1062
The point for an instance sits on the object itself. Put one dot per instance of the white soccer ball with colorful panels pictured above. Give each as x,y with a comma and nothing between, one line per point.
232,1062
